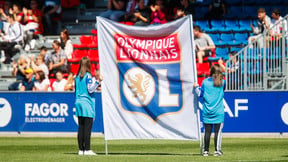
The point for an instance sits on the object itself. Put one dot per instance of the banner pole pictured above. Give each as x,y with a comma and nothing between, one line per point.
200,134
195,76
106,147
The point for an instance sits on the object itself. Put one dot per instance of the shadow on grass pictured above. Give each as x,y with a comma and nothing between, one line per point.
284,156
138,154
71,153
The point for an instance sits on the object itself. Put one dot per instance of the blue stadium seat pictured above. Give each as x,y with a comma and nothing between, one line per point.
204,24
235,49
245,25
227,39
241,38
217,25
231,25
215,37
222,52
219,43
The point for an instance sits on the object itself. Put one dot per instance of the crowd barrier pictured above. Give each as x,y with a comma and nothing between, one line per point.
246,112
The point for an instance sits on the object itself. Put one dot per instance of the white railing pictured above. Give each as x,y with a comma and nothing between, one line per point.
263,63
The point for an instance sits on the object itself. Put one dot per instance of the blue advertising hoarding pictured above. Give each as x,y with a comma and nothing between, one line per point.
246,112
43,112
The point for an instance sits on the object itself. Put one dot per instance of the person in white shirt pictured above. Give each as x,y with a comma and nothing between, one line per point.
277,25
275,30
39,65
13,37
42,83
60,82
66,43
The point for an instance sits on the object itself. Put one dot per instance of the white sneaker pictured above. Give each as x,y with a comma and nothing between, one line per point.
32,43
218,153
205,153
80,152
3,58
89,152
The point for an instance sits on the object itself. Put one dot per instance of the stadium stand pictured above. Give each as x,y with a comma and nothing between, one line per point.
229,34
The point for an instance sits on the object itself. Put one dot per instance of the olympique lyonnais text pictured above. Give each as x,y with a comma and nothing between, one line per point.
147,49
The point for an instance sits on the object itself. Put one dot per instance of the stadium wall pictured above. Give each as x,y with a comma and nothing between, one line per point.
246,112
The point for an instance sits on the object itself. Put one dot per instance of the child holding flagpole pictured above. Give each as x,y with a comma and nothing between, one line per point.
212,92
85,86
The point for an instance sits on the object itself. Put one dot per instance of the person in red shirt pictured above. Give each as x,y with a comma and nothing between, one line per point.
158,15
38,13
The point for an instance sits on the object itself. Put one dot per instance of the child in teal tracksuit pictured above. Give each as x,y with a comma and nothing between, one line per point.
212,92
85,86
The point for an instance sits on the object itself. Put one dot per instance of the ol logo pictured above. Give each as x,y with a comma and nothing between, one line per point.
139,87
5,112
152,90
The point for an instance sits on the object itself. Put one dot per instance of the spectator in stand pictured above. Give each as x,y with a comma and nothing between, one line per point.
185,8
60,82
116,10
42,83
263,23
217,9
39,65
70,84
12,38
58,59
38,13
4,12
141,16
98,77
131,7
66,43
276,25
231,68
29,81
18,14
51,10
43,52
31,25
234,79
158,15
19,72
204,45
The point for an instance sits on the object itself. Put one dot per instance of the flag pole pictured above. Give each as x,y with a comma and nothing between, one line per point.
106,147
200,135
195,76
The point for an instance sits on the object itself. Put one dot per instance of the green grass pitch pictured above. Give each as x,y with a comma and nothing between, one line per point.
65,149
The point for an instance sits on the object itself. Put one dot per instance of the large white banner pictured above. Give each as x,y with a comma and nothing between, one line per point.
147,91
